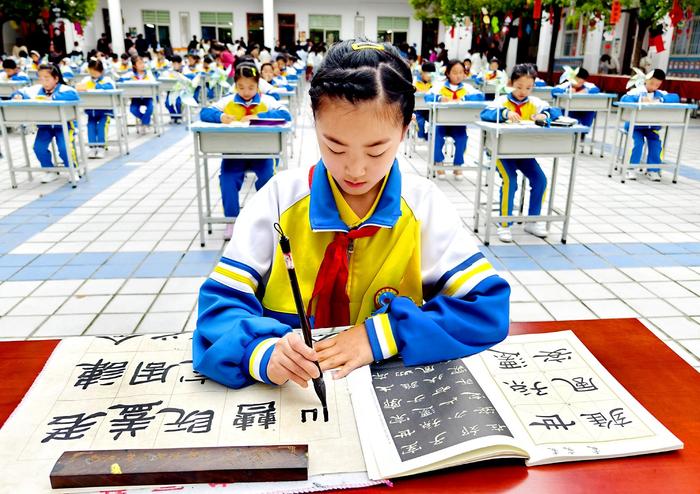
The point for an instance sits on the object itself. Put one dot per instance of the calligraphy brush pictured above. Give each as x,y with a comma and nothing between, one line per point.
285,245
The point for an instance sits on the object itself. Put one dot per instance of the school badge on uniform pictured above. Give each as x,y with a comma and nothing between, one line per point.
384,295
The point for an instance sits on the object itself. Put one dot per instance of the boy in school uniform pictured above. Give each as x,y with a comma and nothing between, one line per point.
11,72
650,92
579,86
98,120
424,85
377,250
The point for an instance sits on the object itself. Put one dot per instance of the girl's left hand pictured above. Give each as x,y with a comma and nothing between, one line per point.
346,351
540,116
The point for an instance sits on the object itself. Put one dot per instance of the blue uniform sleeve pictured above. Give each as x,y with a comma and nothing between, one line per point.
21,77
274,95
558,90
491,114
553,112
431,97
475,97
66,94
445,327
280,112
106,85
594,90
631,97
233,342
671,98
210,114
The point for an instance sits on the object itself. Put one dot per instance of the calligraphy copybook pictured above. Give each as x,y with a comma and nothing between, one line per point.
541,397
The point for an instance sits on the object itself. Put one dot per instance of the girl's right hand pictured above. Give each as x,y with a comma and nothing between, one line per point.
514,117
292,359
226,118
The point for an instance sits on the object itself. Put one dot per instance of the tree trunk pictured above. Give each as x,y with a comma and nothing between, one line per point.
644,25
553,43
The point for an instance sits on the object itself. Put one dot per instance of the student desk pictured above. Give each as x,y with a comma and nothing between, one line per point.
144,89
24,112
544,93
213,140
450,115
108,99
658,378
289,99
648,114
409,146
7,88
167,85
599,102
524,141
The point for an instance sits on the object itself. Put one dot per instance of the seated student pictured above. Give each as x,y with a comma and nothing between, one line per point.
98,120
66,69
160,63
424,85
514,107
141,108
124,64
291,73
243,106
267,74
375,248
174,108
581,86
467,62
11,72
36,60
51,87
649,93
454,89
492,72
209,68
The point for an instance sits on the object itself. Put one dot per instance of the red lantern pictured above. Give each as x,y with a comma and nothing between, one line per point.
615,12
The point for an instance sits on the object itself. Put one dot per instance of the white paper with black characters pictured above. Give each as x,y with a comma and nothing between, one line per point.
140,391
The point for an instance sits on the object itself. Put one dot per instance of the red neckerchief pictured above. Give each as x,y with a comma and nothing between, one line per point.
330,288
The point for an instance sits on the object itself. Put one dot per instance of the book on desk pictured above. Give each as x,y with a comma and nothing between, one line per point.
543,398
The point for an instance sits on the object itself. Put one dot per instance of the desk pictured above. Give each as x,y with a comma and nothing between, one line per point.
450,115
9,87
544,93
144,89
23,112
213,140
658,378
599,102
648,114
409,146
108,99
525,141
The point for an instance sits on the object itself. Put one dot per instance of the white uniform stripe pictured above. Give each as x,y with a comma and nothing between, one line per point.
231,283
261,349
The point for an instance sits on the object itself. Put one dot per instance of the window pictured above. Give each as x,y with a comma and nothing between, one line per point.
574,39
687,42
324,28
255,29
217,25
392,29
156,26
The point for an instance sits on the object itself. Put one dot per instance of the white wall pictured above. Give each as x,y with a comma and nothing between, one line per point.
594,45
545,42
131,11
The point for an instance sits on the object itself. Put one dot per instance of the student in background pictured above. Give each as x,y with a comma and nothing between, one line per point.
243,106
11,72
467,62
175,109
376,249
453,90
51,87
514,107
424,85
141,108
580,86
650,92
98,120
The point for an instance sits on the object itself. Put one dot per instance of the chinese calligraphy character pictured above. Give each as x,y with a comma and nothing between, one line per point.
430,424
424,412
165,337
472,430
579,384
398,419
521,387
617,418
432,380
411,385
449,402
410,449
119,339
152,372
194,422
472,396
69,427
509,360
417,399
553,422
404,433
441,390
485,410
247,413
426,369
457,369
384,389
558,355
133,418
196,375
392,404
104,373
314,414
439,438
464,381
496,427
380,376
404,372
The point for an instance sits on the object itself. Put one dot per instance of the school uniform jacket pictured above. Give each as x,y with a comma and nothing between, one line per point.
587,88
62,92
423,87
102,82
635,95
497,110
452,92
19,76
262,105
420,284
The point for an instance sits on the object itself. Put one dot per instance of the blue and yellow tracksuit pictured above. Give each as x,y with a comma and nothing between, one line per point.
420,284
45,133
497,111
98,120
650,133
137,103
19,76
233,170
422,116
452,93
583,117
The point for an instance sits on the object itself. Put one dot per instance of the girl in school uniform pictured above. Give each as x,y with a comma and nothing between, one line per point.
246,104
650,92
51,87
515,107
278,83
98,120
424,84
141,108
175,109
377,250
454,89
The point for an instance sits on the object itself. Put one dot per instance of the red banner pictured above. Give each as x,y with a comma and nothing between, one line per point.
615,12
537,9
